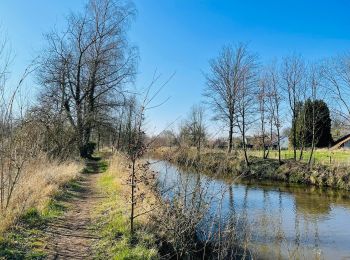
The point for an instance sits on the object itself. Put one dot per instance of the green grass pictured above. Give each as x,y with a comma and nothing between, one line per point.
97,166
114,228
26,239
322,156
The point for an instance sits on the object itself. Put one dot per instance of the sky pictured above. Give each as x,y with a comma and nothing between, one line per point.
181,36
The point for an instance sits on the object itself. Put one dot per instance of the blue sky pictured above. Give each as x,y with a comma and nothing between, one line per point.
181,36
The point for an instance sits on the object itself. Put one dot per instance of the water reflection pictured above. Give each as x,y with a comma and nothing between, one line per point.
274,221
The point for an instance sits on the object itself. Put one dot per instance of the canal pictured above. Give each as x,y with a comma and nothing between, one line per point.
273,220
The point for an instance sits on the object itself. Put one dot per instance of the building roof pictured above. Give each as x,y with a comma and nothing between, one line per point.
337,144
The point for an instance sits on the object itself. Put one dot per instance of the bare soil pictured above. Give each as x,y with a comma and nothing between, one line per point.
71,235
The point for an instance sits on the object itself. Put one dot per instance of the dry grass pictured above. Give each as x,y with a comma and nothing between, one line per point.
40,180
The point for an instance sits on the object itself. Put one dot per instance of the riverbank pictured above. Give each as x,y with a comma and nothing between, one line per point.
219,163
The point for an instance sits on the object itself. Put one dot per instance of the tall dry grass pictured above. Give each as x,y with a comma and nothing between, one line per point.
40,180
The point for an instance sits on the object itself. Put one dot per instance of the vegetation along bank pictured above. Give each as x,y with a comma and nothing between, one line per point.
219,163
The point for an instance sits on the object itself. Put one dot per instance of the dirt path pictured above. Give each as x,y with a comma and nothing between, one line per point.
70,236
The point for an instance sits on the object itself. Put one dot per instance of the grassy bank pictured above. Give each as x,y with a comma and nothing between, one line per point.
222,164
45,190
339,157
113,218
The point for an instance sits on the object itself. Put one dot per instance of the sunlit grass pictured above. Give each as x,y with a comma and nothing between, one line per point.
113,225
339,157
322,156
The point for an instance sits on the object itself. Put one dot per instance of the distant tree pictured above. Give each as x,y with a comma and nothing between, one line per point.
336,80
305,127
339,128
228,73
263,112
274,94
193,130
165,138
293,74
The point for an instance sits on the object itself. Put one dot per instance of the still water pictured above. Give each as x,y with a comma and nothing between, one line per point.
280,222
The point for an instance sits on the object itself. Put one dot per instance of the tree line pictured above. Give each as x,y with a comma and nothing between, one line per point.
249,97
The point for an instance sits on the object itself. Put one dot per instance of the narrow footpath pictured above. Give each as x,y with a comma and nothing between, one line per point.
71,235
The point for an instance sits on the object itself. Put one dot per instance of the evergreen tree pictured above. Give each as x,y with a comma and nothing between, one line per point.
304,124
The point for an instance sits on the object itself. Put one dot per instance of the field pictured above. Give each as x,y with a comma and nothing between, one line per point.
338,157
322,156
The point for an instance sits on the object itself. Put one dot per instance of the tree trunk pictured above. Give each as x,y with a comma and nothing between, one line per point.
244,142
230,137
279,145
313,135
294,136
132,199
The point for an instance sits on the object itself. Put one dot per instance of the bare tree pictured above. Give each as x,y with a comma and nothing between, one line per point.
336,80
4,64
194,129
314,81
246,98
262,108
85,68
227,73
293,72
245,111
274,103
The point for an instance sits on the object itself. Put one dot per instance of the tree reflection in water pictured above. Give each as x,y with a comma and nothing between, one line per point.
271,220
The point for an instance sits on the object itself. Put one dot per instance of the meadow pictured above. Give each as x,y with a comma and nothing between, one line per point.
338,157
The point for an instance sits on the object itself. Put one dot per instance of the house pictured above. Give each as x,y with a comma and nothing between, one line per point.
343,142
284,143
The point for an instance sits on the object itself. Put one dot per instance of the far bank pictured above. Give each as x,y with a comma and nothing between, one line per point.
219,163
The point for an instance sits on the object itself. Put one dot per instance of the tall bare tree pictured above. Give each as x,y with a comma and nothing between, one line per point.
274,102
336,80
263,111
246,101
223,83
85,68
314,82
293,73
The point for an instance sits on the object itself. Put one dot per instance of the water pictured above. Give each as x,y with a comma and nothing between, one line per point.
279,221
